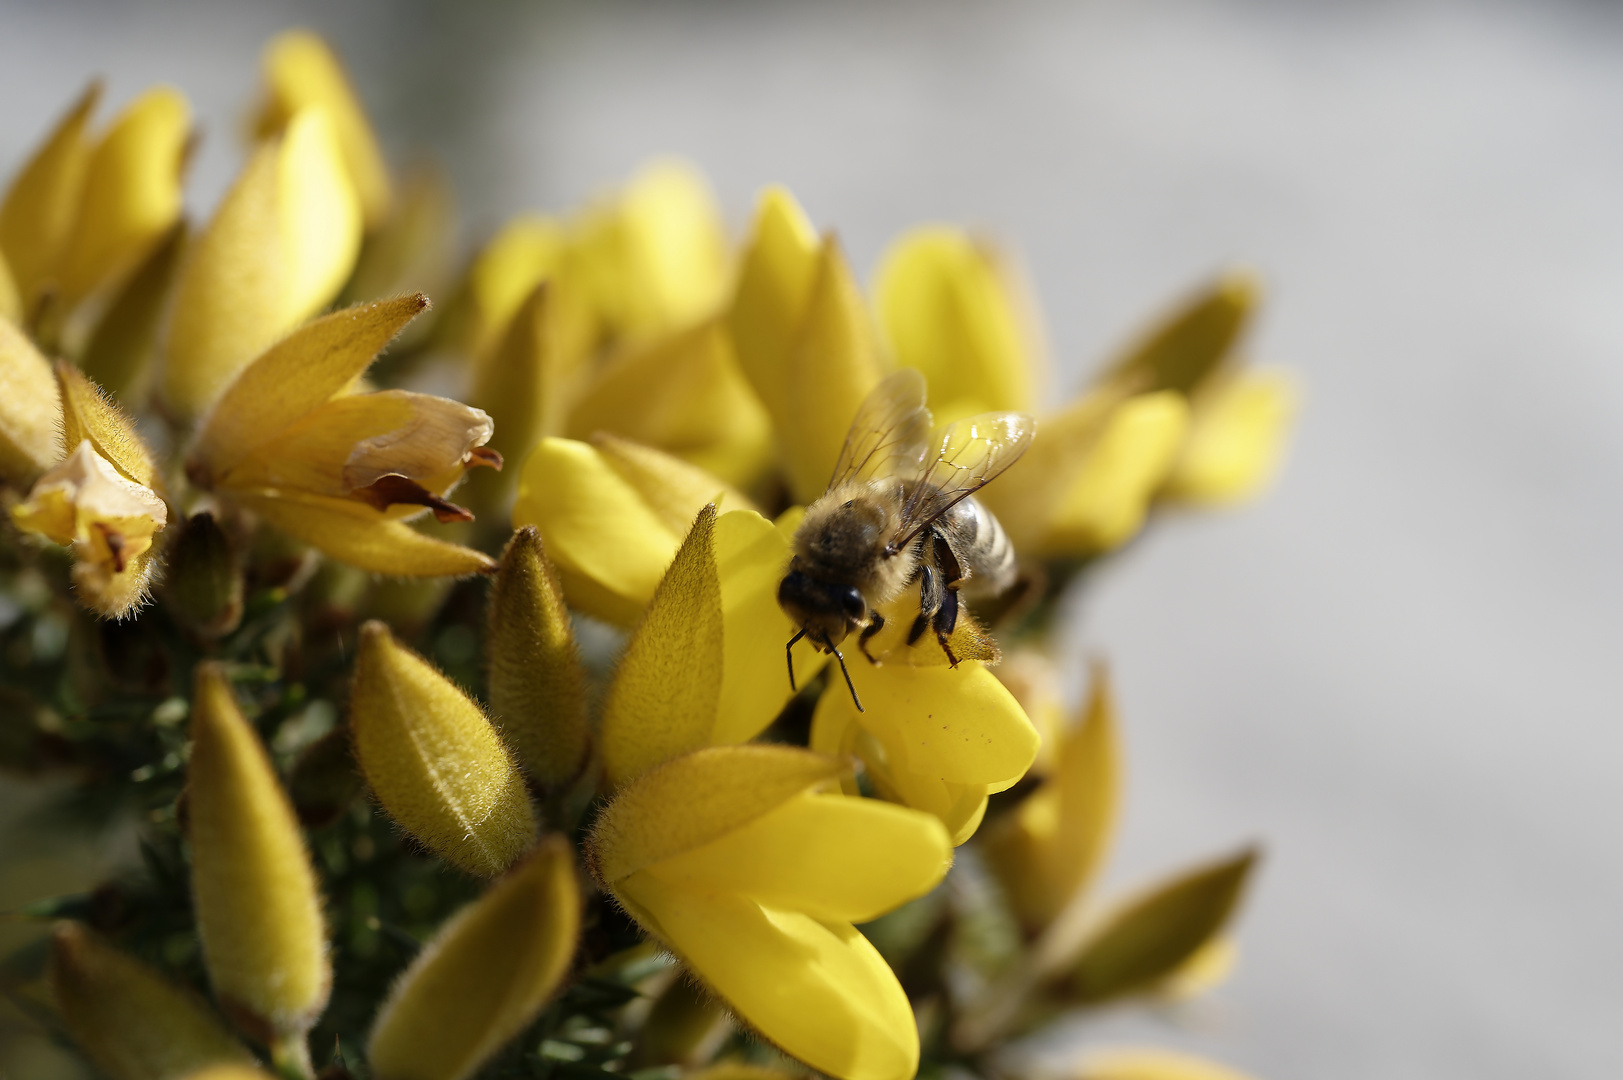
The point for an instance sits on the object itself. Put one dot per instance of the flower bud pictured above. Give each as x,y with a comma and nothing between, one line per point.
1192,341
434,761
484,976
255,893
30,410
119,351
38,211
537,685
1150,938
133,1023
204,586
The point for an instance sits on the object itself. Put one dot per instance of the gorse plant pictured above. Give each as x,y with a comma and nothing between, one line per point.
517,785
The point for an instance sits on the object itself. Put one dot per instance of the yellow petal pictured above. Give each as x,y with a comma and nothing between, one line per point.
816,989
133,1023
694,799
132,191
956,724
120,347
1237,439
834,361
656,256
1148,938
30,409
537,685
672,488
610,546
295,376
774,284
1134,1064
1105,500
255,895
526,251
11,303
1207,967
355,533
662,701
951,307
89,414
529,379
831,856
1192,341
301,70
484,975
37,213
684,394
751,558
345,446
412,250
434,761
278,248
1048,849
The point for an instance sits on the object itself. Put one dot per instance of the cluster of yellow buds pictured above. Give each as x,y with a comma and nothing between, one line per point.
668,856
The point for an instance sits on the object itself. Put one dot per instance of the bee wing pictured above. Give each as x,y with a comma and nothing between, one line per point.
891,433
971,454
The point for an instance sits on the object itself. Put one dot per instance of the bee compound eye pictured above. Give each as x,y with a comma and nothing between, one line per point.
851,601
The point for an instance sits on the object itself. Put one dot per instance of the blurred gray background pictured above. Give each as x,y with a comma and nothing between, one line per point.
1398,670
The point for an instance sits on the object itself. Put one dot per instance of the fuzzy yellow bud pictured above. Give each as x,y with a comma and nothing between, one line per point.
775,279
204,586
130,1020
255,893
30,409
301,70
433,759
1151,937
1194,339
132,191
279,247
537,685
484,976
38,211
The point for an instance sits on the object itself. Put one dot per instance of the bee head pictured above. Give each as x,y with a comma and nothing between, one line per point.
826,610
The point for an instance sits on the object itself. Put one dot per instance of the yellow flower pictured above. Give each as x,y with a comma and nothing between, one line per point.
300,70
84,211
707,663
731,858
338,470
103,499
279,247
1174,416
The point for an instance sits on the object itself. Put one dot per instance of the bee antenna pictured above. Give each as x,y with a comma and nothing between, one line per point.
789,654
854,699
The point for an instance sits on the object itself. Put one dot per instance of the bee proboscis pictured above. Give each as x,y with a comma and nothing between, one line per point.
898,511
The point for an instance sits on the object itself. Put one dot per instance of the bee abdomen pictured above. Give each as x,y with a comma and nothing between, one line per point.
982,546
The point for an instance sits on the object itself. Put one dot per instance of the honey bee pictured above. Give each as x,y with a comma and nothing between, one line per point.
898,512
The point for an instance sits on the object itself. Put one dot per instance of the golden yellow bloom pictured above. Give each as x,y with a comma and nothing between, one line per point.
1236,442
278,249
100,499
731,859
339,470
484,975
300,70
30,409
612,514
130,1020
84,212
434,761
255,893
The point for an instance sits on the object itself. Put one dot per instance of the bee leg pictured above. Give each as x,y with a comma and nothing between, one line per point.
869,631
929,602
789,654
944,622
854,699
